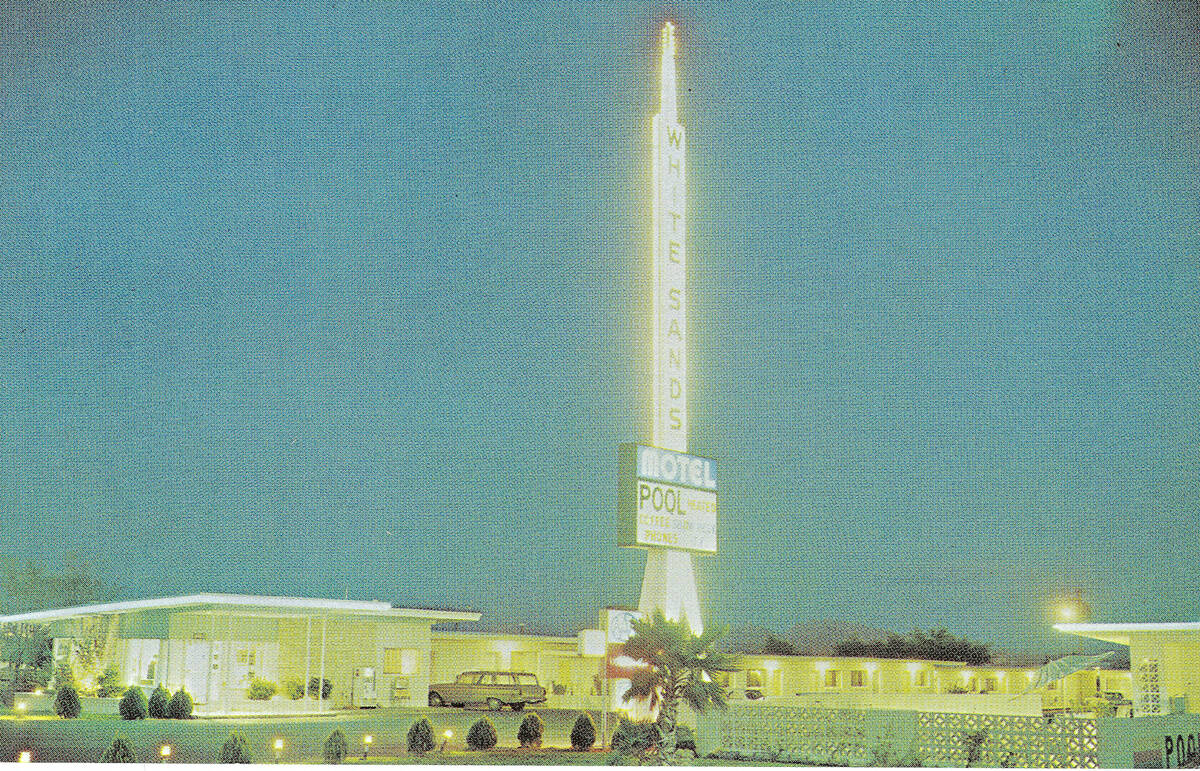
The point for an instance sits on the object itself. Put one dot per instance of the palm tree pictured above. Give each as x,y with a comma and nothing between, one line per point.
680,666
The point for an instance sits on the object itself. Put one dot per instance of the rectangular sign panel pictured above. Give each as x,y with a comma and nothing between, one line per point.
666,499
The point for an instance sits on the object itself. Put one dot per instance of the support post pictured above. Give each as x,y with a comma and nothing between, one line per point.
321,684
307,658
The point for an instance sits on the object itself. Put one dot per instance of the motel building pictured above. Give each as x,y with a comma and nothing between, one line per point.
376,655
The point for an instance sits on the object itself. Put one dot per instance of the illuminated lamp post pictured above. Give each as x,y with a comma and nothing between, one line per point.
446,736
278,749
164,753
367,740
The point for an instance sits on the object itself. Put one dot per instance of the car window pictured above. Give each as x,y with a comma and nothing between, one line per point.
527,679
504,679
467,678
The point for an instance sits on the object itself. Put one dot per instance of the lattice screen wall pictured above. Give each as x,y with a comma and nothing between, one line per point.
890,737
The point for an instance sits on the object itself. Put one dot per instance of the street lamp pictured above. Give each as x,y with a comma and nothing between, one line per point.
278,749
367,740
446,736
1072,609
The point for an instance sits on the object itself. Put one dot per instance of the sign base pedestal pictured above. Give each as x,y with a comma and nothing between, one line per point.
669,585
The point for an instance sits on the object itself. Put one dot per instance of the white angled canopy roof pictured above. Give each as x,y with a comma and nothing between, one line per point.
299,606
1120,633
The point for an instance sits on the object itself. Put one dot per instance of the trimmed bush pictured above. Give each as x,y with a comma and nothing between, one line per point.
583,734
420,737
66,702
294,688
482,735
335,748
157,706
180,706
118,752
109,684
133,704
261,690
322,683
234,750
530,732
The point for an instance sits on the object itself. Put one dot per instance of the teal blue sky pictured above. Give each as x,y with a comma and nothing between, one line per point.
352,300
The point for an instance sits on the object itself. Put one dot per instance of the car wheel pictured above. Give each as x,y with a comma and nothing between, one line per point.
436,700
494,704
520,705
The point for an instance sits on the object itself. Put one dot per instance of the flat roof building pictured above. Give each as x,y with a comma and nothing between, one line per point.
215,645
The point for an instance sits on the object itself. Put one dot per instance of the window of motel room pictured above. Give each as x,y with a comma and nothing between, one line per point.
399,661
858,678
832,678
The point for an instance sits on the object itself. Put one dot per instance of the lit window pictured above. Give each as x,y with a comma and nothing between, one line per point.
755,678
832,676
922,678
400,661
858,678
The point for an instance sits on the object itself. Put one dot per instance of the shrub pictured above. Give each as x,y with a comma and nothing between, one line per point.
583,734
180,706
133,704
118,752
529,734
157,706
635,739
322,683
420,737
482,735
64,676
234,750
294,688
66,702
261,690
109,684
685,739
336,746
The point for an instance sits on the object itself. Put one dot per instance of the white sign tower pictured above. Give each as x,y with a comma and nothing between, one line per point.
670,583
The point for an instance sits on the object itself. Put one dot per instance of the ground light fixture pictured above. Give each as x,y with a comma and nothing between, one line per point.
25,757
447,735
21,707
278,749
367,740
164,752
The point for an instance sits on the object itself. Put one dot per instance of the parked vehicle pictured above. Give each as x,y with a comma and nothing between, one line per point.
496,690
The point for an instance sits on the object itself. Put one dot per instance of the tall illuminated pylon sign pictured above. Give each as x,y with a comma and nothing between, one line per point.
669,583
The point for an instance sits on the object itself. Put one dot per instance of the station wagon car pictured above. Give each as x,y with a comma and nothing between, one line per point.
493,689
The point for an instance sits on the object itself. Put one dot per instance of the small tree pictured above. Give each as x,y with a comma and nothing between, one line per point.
482,735
133,704
234,750
420,737
118,752
322,683
679,667
180,706
335,748
109,684
529,734
261,690
583,734
157,706
66,702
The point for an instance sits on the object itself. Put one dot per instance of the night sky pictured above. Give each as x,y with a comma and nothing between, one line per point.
352,300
